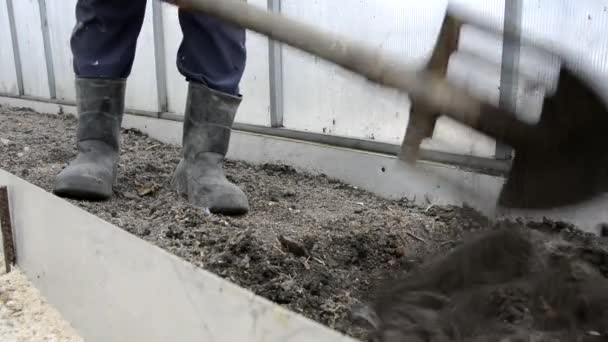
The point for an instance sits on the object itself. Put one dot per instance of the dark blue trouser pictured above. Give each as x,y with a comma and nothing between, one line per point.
105,37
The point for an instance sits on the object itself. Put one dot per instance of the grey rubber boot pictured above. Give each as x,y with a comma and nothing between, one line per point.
200,174
91,175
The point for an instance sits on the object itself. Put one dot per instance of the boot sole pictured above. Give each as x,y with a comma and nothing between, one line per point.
83,189
229,211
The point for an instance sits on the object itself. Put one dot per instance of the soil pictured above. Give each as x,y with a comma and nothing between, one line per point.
315,245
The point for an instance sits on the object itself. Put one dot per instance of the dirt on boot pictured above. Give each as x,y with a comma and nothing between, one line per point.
312,244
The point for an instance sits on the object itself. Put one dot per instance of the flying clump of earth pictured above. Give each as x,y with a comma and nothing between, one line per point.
509,284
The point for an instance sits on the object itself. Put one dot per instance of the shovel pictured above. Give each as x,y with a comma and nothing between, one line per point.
559,161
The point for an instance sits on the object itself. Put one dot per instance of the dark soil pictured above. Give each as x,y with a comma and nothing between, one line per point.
310,243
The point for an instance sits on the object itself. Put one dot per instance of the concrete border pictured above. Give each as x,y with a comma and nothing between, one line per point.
113,286
384,175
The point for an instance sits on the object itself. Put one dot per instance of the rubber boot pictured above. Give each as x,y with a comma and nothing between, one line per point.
200,174
91,175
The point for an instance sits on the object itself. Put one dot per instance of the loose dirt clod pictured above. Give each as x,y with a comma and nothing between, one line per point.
321,247
293,247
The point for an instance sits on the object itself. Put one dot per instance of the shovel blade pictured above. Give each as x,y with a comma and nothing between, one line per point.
569,162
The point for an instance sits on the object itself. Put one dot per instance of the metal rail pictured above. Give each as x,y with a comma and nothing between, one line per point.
275,60
511,48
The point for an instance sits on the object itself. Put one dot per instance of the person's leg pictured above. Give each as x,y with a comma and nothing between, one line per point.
212,57
103,45
211,52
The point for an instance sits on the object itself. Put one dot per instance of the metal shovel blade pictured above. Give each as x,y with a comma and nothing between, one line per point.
568,163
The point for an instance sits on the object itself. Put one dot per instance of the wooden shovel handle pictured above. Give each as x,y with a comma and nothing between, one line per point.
425,88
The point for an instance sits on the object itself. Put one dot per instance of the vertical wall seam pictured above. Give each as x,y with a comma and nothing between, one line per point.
159,56
48,53
275,60
510,66
16,54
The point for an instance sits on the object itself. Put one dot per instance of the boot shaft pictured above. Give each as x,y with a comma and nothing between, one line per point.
100,105
208,120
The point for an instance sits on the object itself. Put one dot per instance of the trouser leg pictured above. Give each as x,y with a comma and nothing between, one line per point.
105,37
211,52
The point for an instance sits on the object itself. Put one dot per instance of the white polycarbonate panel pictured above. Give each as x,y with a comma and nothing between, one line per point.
61,21
141,86
585,38
8,74
31,48
176,84
323,98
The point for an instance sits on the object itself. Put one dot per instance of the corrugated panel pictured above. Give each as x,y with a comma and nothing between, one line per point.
61,21
575,27
323,98
141,86
8,75
255,108
255,85
31,47
476,66
540,19
320,97
585,38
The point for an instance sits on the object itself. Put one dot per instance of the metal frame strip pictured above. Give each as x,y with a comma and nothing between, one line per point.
159,56
511,49
275,60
